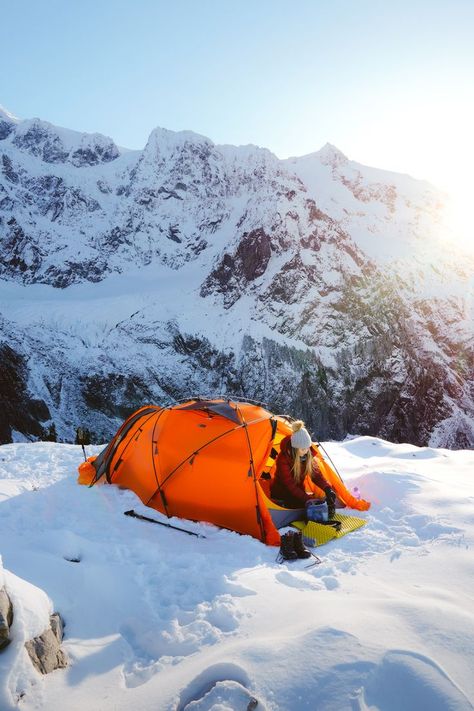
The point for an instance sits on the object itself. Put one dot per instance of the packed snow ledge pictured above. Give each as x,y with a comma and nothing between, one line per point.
158,620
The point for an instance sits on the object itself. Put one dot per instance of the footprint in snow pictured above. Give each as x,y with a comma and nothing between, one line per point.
300,581
157,641
413,681
330,582
221,686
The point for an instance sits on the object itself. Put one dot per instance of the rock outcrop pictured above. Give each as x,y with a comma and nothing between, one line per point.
6,618
45,650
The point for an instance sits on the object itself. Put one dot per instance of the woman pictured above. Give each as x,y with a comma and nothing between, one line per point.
294,462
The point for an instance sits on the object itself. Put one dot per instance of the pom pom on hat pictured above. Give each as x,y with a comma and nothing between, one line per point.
300,438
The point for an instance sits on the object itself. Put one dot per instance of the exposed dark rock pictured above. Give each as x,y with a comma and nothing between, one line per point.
70,272
55,199
71,201
114,394
94,155
147,196
42,142
254,252
313,240
103,187
115,238
386,194
199,246
315,214
167,194
19,411
202,353
292,281
234,272
223,279
5,129
211,225
8,170
173,233
6,203
20,254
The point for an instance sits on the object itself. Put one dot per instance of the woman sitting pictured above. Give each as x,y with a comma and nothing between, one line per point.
294,462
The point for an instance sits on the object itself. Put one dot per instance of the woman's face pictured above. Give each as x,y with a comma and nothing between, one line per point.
303,452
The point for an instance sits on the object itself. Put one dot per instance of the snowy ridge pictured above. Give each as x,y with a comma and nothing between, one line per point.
316,284
7,116
155,619
56,145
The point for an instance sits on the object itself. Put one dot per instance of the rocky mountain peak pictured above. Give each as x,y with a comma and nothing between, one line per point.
163,142
7,123
52,144
203,268
332,156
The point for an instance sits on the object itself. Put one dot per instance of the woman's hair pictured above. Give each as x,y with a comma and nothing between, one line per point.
300,472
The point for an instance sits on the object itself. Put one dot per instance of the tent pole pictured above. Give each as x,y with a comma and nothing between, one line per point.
318,444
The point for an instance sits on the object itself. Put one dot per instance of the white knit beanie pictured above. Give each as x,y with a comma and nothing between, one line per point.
300,438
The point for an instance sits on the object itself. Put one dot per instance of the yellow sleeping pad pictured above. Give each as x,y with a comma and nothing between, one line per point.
316,534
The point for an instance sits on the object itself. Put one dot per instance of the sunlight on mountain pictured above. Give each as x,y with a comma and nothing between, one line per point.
458,218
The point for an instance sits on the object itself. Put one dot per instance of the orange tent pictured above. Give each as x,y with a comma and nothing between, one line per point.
206,460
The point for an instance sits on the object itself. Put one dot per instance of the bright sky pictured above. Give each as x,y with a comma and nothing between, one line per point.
389,83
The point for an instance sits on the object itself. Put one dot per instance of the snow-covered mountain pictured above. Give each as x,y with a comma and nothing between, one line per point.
318,285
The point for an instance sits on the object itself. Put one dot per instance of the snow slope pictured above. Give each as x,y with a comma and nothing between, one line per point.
158,620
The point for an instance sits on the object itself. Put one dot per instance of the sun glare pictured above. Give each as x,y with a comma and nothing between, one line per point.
458,221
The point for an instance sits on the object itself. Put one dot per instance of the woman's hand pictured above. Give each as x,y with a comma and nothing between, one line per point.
331,500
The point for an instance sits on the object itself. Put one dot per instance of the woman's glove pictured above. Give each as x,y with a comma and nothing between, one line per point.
331,501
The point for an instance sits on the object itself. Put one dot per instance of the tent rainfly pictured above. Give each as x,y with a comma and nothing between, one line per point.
207,460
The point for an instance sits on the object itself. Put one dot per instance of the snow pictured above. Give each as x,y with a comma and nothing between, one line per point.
156,619
138,294
7,115
392,217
